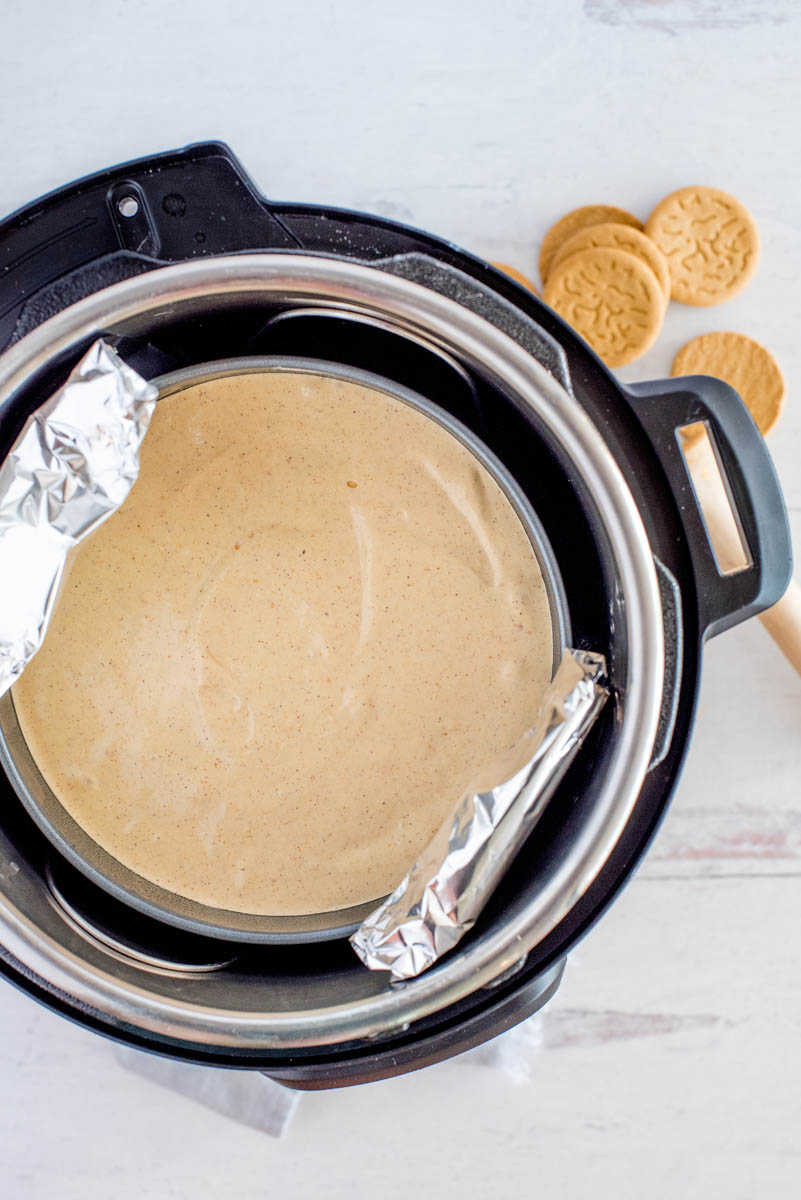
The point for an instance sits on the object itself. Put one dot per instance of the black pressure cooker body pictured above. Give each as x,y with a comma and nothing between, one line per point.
140,217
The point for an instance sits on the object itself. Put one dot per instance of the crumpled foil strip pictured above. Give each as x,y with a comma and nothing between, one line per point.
72,466
448,886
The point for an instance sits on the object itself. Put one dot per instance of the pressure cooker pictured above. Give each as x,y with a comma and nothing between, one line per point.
180,263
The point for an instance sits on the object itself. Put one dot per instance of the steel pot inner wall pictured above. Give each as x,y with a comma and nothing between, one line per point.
325,1003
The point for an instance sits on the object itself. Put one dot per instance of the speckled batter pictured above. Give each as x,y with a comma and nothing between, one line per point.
272,673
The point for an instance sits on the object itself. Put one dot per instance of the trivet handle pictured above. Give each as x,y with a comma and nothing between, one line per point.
663,407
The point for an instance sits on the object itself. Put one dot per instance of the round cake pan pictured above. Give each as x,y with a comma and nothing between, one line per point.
107,872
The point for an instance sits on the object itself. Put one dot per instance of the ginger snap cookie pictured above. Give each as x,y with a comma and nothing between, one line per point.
741,362
518,276
572,222
618,237
710,242
611,298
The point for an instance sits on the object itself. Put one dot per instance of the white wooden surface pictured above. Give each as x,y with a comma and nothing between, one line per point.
670,1060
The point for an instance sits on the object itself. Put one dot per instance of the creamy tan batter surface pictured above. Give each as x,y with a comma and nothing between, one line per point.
272,673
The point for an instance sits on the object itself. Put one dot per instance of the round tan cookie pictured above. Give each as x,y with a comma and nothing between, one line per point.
710,242
740,361
618,237
518,276
572,222
611,298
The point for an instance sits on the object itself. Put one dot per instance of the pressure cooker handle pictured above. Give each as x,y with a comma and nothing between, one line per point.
142,214
663,407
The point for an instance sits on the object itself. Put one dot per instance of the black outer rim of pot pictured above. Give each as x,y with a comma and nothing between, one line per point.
325,230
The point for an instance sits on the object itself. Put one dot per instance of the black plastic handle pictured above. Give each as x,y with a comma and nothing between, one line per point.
663,407
138,215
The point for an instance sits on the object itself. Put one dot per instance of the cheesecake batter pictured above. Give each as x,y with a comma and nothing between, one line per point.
272,673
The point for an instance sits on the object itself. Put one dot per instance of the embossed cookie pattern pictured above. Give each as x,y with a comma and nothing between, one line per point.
572,222
710,242
611,298
619,237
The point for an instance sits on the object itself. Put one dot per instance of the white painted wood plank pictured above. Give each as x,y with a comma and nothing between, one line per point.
667,1054
668,1064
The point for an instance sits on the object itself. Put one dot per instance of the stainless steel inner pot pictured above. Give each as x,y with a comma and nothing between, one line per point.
95,862
255,1011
